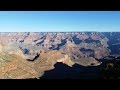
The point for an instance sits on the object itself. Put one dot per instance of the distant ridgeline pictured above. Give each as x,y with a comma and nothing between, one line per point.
84,49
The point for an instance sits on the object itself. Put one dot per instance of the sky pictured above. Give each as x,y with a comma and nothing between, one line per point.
59,21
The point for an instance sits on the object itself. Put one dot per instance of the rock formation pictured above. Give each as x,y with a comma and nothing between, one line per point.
29,54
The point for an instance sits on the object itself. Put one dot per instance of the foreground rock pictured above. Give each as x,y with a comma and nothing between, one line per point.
15,67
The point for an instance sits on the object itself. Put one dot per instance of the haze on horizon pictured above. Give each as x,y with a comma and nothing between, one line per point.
59,21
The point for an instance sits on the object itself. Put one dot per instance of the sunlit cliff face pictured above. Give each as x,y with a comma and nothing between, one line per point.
30,54
30,44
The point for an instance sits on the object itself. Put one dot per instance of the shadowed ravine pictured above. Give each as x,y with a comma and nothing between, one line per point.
39,54
62,71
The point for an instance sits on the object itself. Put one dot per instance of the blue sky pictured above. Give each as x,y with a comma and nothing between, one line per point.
59,21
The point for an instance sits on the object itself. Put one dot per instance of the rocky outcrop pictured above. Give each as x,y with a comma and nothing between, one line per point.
31,43
38,52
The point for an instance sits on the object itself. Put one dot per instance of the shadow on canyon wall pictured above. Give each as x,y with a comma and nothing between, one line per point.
63,71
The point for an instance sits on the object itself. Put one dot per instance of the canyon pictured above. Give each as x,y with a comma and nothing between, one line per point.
29,54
